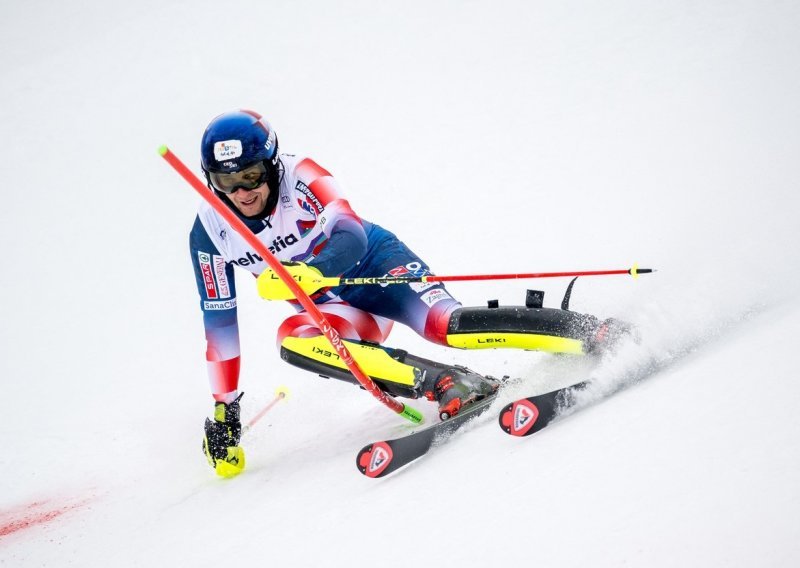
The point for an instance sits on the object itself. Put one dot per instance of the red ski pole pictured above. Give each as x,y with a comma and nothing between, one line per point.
322,323
331,281
635,271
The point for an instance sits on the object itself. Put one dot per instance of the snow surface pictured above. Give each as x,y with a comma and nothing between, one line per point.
494,137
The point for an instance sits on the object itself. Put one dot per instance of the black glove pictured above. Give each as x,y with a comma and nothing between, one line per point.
221,440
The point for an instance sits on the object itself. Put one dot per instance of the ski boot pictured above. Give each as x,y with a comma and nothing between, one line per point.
608,335
458,387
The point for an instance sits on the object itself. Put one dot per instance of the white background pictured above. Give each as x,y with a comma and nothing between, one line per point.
493,137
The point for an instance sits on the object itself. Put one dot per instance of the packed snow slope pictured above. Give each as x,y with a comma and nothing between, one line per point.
493,137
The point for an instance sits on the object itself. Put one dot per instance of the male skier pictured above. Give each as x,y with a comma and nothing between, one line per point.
296,208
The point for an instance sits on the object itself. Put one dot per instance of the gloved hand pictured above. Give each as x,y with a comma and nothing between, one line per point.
221,440
271,287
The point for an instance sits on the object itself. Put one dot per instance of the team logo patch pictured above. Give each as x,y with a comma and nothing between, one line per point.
305,227
434,296
412,269
224,305
222,278
227,150
208,275
307,201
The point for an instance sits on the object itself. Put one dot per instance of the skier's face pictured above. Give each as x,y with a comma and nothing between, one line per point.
250,202
247,189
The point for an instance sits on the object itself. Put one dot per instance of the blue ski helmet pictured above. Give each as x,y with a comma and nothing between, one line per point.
236,140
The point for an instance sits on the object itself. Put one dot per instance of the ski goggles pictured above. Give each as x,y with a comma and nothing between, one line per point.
247,179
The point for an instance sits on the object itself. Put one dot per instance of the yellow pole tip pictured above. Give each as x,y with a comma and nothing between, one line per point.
282,392
162,150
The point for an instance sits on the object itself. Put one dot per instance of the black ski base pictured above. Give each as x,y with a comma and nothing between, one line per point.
527,416
382,458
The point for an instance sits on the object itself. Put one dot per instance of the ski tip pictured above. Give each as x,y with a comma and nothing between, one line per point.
374,459
162,150
519,418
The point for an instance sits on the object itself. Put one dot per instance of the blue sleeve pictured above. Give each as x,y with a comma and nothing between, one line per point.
345,247
215,280
217,288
